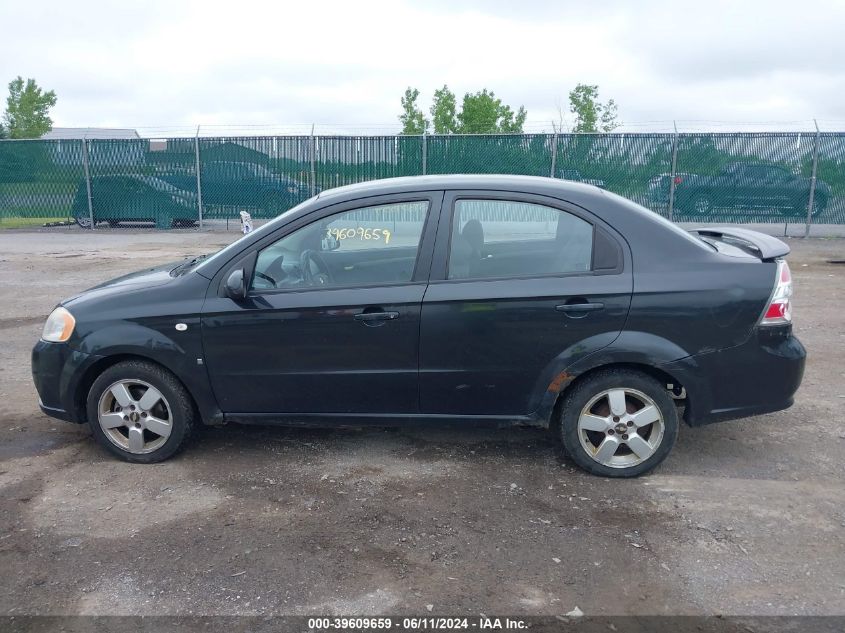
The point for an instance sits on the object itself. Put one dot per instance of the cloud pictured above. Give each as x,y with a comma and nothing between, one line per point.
253,63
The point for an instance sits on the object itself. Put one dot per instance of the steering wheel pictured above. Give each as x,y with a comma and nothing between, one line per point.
322,276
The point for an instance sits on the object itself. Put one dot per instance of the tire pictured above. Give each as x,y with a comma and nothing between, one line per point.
135,430
799,210
700,205
591,397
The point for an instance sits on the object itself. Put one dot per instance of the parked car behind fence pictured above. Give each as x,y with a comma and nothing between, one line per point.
243,185
747,186
134,198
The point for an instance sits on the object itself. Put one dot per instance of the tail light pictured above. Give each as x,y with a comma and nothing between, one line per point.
779,309
678,180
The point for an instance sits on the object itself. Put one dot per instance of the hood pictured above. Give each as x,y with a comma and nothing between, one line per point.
147,278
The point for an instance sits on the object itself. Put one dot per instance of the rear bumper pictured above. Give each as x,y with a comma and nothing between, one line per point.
760,376
57,372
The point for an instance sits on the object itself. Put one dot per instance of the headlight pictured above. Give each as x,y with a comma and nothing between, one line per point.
59,326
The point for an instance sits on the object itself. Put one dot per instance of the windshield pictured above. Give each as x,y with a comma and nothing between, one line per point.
227,251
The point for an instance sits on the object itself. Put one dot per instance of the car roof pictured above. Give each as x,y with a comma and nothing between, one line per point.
495,182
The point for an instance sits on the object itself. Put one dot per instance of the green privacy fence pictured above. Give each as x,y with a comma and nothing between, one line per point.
730,177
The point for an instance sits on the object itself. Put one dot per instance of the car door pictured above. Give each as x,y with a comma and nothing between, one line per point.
522,286
784,186
757,188
330,324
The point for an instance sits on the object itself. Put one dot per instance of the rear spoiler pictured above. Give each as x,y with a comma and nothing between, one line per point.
763,246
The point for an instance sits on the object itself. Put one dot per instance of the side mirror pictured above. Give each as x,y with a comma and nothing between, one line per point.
235,287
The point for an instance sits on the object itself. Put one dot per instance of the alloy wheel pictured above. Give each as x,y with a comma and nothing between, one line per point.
135,416
620,427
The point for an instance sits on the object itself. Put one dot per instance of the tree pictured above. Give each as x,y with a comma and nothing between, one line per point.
27,109
483,113
412,118
443,111
591,115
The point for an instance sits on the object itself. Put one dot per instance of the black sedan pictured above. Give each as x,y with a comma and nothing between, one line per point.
460,298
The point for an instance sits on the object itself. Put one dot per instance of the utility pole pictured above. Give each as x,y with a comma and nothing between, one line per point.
674,171
199,174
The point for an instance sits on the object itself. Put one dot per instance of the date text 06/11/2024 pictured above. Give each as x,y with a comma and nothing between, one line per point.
416,623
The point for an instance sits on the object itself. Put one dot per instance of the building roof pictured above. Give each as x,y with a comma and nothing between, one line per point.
66,133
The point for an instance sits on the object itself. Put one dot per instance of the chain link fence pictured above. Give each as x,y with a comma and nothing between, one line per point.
729,177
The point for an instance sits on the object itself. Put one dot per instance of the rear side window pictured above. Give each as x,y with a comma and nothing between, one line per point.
502,238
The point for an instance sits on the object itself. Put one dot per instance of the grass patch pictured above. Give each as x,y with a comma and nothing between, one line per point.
22,223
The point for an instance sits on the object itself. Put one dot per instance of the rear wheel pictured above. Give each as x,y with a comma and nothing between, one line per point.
140,412
701,205
618,423
799,210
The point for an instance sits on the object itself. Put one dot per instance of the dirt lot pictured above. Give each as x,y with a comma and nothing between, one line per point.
743,518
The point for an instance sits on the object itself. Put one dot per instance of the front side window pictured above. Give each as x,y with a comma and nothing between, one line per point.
366,246
501,238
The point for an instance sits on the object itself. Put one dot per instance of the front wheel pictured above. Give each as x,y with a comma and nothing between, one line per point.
799,210
140,412
618,423
83,220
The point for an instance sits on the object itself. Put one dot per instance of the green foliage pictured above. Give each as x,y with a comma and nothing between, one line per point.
412,118
591,115
444,111
28,109
483,113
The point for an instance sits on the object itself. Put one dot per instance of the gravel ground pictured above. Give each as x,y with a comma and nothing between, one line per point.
743,518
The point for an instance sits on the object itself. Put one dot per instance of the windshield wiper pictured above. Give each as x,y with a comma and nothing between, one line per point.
187,264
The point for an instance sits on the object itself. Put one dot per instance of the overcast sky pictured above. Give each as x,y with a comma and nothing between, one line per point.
172,65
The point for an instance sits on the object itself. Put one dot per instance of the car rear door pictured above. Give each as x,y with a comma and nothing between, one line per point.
346,340
522,286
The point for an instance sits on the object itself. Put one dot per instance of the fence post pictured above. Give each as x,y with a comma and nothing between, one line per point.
811,201
424,153
554,155
86,166
674,170
199,172
312,154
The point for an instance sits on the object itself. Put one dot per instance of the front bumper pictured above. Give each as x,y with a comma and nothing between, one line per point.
58,371
759,376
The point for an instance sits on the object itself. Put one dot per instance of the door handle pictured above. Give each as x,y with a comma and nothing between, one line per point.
369,317
579,309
